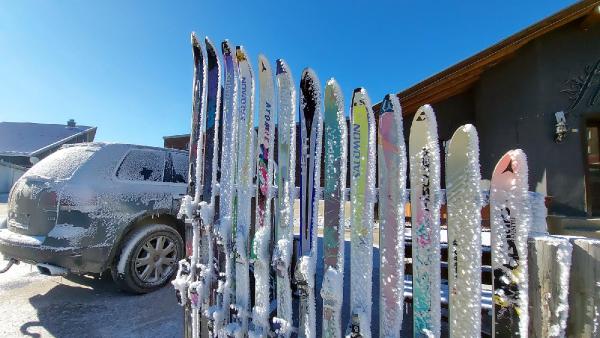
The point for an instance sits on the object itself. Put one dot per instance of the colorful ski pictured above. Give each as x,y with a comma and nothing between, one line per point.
207,210
227,186
510,219
262,237
362,197
392,191
335,138
425,197
284,217
463,199
246,173
311,127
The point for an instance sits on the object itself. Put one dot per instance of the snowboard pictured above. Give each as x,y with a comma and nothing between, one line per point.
311,127
392,191
245,174
510,220
227,189
362,197
425,211
284,217
335,143
262,238
463,200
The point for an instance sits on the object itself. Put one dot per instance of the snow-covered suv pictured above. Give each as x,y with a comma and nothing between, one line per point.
94,207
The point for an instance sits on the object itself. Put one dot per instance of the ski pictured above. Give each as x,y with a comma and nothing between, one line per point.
186,281
262,238
286,136
425,198
392,190
463,200
335,138
207,207
311,127
362,197
242,219
510,219
227,188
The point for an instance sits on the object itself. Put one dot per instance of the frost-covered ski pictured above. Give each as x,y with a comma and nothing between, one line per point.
227,187
510,219
246,172
425,210
286,94
335,138
262,238
311,127
207,207
362,196
463,199
187,276
392,191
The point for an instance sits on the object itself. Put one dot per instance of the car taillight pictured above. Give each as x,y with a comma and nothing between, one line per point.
48,200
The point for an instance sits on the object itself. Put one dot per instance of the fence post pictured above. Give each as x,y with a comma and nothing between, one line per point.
548,285
584,289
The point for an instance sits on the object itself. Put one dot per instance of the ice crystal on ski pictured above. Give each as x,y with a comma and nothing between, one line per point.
464,232
425,205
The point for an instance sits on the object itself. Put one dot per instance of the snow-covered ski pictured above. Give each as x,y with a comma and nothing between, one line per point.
207,207
335,143
311,127
284,217
362,197
227,187
463,200
510,218
392,190
187,277
262,238
425,197
246,172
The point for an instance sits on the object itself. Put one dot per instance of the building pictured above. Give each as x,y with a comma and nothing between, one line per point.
23,144
512,93
181,142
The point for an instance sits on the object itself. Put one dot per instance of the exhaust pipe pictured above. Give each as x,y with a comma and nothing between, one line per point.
51,270
10,263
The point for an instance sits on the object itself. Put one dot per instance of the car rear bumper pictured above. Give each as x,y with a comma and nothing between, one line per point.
32,250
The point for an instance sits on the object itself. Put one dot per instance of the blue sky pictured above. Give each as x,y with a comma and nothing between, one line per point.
126,66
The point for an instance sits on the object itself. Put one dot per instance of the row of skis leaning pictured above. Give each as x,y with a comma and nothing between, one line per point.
238,281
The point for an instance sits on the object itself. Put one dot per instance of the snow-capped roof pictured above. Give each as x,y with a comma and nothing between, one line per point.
29,139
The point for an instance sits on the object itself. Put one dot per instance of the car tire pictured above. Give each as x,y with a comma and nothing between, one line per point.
148,258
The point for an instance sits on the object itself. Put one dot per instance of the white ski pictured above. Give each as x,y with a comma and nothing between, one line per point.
262,238
510,220
392,192
463,200
284,218
425,197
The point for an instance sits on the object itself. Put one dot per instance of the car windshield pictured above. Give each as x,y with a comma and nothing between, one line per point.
62,164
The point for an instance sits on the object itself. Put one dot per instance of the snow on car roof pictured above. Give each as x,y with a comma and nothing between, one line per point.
27,139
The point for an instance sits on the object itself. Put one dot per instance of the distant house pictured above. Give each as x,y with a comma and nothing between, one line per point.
22,144
180,142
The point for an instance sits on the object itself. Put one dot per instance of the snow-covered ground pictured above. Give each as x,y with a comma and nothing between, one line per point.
41,306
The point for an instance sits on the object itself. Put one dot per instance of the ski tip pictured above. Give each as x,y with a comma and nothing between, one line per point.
358,90
331,82
263,63
391,103
209,44
226,47
240,53
194,39
282,66
310,79
424,113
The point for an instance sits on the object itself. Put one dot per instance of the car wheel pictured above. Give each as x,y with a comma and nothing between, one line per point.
148,259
